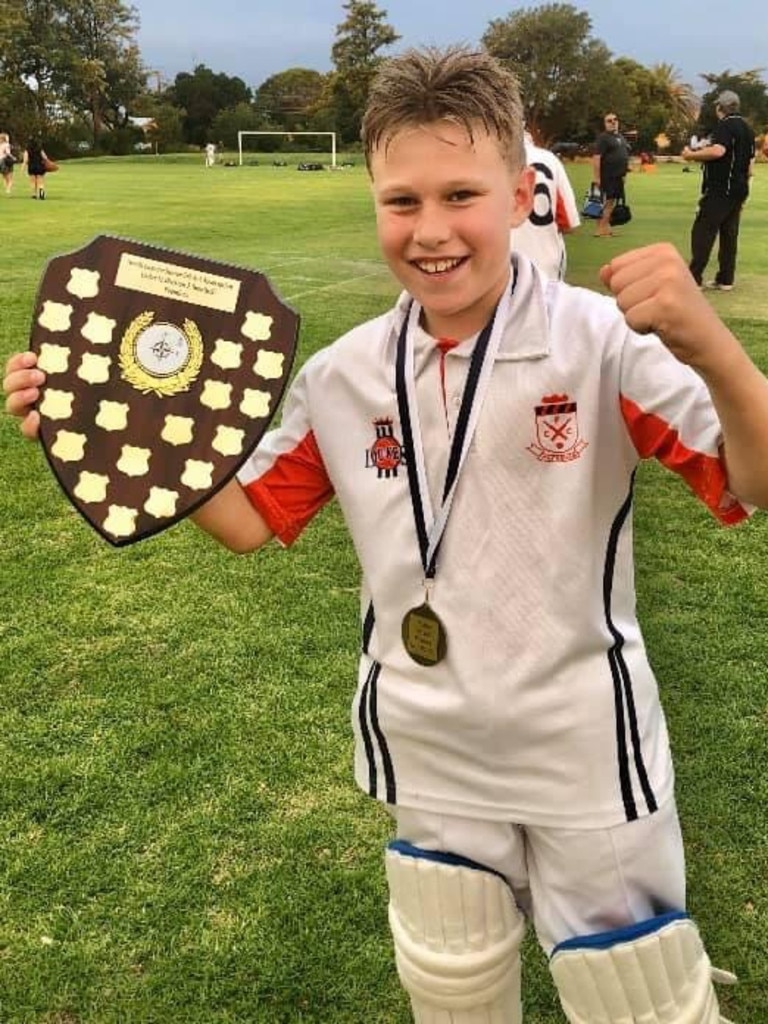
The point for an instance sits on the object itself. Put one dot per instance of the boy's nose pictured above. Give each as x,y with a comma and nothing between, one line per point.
432,228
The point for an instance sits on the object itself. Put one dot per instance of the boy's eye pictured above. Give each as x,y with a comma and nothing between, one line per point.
461,195
400,201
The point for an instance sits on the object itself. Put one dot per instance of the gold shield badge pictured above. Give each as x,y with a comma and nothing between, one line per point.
163,371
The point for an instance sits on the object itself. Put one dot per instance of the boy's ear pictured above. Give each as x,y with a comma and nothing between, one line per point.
522,196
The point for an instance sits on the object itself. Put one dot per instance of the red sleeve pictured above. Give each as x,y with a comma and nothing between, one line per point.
705,474
292,490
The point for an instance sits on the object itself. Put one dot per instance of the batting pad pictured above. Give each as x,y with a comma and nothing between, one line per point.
656,972
457,935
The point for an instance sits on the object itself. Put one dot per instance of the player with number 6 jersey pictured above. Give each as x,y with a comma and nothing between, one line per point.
554,214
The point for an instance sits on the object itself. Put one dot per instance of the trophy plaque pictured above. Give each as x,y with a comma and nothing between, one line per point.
163,371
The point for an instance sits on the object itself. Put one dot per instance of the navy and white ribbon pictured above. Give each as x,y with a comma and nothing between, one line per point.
430,527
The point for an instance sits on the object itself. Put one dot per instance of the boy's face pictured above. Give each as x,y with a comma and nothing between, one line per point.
444,210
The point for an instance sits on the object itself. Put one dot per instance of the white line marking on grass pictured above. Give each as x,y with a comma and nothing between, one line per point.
276,259
328,287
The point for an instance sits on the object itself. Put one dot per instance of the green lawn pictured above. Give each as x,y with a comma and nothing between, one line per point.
181,841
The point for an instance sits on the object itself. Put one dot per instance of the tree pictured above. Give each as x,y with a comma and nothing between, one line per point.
289,98
659,104
356,56
242,118
567,79
680,102
203,94
103,74
32,54
165,132
61,60
748,86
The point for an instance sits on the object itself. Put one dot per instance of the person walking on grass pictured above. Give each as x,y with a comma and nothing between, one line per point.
506,713
728,161
7,160
610,164
35,159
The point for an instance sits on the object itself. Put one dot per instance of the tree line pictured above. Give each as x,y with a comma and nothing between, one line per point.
72,72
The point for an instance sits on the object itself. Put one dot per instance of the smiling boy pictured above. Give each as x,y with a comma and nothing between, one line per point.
482,439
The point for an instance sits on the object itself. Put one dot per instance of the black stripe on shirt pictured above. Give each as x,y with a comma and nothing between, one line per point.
622,681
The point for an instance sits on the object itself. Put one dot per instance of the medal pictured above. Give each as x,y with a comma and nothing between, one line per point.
424,635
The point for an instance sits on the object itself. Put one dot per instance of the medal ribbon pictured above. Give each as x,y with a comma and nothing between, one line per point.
430,528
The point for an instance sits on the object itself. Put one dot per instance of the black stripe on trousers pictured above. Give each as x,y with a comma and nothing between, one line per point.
622,682
368,707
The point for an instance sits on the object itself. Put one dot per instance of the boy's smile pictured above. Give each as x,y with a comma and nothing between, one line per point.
444,209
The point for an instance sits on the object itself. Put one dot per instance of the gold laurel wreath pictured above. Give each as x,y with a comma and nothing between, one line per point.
145,382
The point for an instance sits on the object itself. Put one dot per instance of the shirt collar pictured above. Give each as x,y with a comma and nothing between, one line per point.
526,334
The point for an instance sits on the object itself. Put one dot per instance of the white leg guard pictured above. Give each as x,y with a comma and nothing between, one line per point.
656,972
457,936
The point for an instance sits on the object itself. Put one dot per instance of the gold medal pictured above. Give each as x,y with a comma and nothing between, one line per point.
424,636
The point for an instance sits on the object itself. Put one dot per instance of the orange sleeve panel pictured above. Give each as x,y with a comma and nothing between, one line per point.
292,491
705,474
561,214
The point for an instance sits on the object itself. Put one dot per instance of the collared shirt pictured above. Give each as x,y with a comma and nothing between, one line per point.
545,710
729,175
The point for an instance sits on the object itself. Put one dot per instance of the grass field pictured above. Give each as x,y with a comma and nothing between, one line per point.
181,841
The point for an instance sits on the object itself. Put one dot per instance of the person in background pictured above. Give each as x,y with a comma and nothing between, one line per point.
728,162
35,159
7,161
554,213
210,154
610,163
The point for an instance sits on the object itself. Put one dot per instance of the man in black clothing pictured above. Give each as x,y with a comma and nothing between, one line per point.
609,167
727,163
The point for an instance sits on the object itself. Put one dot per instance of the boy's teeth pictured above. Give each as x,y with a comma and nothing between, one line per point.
439,266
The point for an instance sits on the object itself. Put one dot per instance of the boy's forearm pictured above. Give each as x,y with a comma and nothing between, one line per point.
232,520
740,394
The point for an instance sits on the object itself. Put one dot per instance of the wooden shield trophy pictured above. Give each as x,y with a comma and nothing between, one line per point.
163,371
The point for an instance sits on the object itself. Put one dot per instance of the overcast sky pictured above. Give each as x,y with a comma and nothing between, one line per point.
254,39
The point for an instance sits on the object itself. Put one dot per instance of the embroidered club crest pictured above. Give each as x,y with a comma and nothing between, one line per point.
386,452
557,430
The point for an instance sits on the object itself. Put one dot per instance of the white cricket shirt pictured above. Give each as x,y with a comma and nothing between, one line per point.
540,238
545,710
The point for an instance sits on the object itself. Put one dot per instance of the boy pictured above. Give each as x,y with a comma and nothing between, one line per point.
481,439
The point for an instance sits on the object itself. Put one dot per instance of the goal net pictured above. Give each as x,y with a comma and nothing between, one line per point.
288,135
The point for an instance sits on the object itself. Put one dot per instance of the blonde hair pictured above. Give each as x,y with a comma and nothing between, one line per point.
466,87
3,137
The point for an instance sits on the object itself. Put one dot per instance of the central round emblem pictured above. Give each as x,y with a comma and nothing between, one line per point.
162,350
160,357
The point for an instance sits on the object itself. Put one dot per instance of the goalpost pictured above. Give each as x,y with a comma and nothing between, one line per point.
291,135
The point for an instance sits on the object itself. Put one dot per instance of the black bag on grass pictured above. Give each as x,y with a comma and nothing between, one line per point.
620,214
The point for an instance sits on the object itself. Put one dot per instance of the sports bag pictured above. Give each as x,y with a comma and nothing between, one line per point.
593,204
621,213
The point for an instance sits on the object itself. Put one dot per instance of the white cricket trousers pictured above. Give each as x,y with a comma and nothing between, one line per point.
569,882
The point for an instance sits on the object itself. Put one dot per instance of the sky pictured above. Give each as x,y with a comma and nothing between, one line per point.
254,39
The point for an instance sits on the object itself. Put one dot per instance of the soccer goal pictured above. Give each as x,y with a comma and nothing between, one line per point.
290,135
